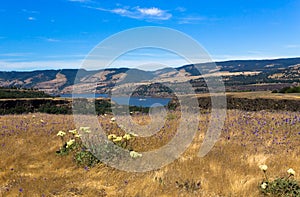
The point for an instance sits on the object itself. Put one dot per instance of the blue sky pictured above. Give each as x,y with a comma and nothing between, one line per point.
55,34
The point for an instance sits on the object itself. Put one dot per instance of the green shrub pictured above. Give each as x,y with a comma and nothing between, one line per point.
86,158
6,93
82,156
285,186
290,90
282,187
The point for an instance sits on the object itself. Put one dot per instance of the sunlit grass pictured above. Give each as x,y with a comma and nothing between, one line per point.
30,167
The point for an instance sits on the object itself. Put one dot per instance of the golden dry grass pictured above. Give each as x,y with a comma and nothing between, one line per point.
30,167
257,94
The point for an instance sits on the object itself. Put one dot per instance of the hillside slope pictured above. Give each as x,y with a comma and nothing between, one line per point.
235,73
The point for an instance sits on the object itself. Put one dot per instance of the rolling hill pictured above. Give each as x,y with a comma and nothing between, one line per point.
238,75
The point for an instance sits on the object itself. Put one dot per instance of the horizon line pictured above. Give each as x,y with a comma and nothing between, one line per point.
128,67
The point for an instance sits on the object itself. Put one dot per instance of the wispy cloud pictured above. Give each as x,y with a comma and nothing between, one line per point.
28,57
152,13
80,1
292,46
37,65
191,20
14,54
52,40
180,9
30,11
47,39
217,58
31,18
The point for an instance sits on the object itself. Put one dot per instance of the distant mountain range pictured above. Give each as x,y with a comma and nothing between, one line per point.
238,75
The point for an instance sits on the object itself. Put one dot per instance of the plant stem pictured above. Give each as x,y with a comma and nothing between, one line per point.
266,176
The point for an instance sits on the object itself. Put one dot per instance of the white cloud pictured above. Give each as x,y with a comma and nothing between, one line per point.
14,54
31,18
152,13
180,9
52,40
191,20
120,11
218,58
30,11
37,65
80,1
7,65
47,39
90,64
292,46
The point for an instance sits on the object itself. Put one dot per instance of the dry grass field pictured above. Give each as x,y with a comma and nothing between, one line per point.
30,167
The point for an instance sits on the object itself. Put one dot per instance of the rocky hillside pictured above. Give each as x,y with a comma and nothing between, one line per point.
237,75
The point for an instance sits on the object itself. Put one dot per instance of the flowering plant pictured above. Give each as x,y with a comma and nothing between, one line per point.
82,155
281,186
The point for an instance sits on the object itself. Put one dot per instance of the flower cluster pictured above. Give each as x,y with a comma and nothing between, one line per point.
75,133
280,186
122,142
116,138
81,154
74,139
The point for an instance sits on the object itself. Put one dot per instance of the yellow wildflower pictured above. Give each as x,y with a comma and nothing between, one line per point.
77,136
133,134
70,143
263,167
134,154
61,133
111,136
127,136
264,185
117,139
291,171
74,132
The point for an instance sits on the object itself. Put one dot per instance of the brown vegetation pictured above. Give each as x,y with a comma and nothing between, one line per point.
30,167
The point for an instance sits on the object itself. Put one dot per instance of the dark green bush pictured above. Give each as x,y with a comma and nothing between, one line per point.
282,187
290,90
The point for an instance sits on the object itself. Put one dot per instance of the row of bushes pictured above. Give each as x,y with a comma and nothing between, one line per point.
288,90
85,106
13,106
62,106
6,93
